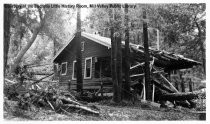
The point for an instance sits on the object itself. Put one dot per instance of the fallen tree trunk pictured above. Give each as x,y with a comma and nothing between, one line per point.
180,96
68,100
82,107
76,104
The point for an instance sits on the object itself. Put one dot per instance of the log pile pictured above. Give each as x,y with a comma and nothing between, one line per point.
47,98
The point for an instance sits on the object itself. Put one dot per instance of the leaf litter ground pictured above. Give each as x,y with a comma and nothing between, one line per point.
108,112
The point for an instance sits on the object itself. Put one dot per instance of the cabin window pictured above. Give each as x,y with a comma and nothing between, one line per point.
82,46
74,77
64,68
88,68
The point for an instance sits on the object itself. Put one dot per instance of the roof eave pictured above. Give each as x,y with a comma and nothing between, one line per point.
59,52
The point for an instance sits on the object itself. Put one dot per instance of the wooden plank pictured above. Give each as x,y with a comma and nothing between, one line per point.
137,75
144,90
153,92
137,65
161,86
171,85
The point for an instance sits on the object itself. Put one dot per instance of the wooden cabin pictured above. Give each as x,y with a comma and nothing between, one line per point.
96,62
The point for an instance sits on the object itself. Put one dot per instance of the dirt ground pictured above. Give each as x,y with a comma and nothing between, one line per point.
107,113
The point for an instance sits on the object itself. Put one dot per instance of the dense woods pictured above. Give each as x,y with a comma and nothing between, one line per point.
34,32
34,35
180,25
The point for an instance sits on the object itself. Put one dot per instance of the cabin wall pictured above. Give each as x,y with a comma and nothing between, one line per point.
91,49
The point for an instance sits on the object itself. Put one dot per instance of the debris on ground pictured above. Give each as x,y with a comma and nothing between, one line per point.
46,98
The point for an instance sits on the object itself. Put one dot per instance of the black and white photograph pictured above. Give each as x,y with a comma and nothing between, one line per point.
104,61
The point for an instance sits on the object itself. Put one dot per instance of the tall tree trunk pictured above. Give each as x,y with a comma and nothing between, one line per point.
7,20
147,56
201,46
119,64
127,57
114,78
114,69
79,54
114,59
35,32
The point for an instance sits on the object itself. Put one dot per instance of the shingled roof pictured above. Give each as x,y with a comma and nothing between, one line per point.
162,58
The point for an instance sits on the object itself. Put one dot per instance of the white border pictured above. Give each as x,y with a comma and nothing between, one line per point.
102,1
88,58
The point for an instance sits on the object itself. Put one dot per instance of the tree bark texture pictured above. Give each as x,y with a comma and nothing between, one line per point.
201,46
111,16
127,57
147,66
119,65
180,96
7,20
79,54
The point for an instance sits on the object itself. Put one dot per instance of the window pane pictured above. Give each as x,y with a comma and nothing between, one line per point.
75,70
88,62
97,69
88,72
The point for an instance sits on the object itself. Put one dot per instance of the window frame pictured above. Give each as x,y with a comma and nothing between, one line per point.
62,68
91,62
73,64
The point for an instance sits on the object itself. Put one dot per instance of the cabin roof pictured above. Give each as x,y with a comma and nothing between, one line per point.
96,38
159,54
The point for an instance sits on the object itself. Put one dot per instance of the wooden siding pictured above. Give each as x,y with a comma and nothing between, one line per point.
91,49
